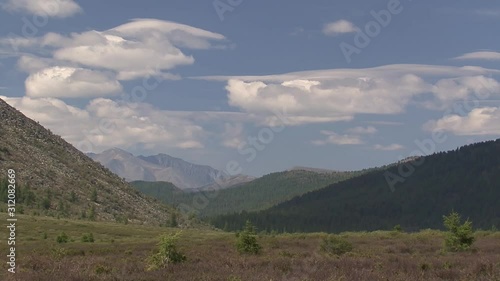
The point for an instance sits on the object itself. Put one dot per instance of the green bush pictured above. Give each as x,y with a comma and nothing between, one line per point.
459,237
397,228
247,240
93,195
167,253
91,214
62,238
335,245
102,269
88,238
46,203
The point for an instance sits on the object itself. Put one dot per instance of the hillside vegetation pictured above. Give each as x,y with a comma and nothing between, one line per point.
466,180
258,194
121,252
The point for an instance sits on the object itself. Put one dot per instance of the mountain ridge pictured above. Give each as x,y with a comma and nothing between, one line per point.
261,193
465,180
165,168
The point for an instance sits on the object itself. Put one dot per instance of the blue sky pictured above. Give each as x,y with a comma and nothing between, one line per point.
263,85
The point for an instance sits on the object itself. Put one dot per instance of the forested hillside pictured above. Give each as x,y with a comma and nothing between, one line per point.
256,195
466,180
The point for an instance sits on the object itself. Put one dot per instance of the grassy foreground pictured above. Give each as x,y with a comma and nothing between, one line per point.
120,252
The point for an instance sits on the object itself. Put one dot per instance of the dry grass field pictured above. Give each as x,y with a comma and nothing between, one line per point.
120,252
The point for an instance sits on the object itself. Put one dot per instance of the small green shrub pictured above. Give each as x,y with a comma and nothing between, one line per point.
72,197
173,221
93,195
62,238
335,245
425,266
46,203
58,253
167,253
102,269
247,240
88,238
397,228
91,214
459,237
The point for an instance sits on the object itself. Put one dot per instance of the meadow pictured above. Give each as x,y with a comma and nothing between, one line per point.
121,251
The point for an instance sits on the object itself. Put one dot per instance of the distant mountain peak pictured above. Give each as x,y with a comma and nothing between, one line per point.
163,167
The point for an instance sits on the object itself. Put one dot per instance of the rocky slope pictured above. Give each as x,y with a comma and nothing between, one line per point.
54,178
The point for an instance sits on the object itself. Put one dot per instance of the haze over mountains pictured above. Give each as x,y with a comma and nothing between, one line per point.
165,168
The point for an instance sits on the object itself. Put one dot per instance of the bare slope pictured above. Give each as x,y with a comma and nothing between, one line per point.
54,178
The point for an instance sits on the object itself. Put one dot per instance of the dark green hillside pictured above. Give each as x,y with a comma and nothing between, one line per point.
466,180
164,191
256,195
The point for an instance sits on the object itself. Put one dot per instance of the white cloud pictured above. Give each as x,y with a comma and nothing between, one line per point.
32,64
67,82
339,27
363,130
141,48
484,55
334,138
447,91
233,135
130,59
180,34
104,123
339,98
340,94
385,123
48,8
138,49
275,121
390,147
365,74
351,137
480,121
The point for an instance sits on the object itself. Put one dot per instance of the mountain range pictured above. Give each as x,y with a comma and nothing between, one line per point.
165,168
53,178
259,194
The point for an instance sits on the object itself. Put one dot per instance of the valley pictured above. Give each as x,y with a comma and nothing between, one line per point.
233,140
121,252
